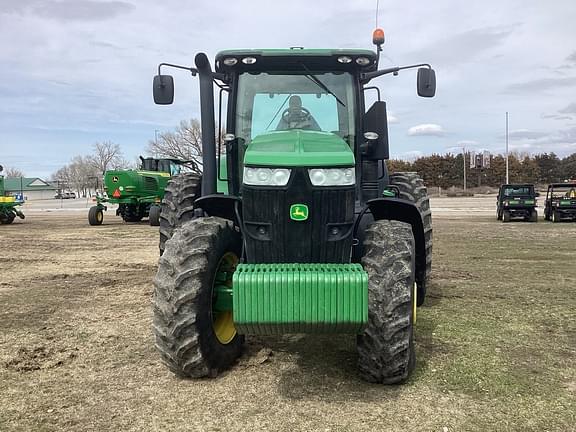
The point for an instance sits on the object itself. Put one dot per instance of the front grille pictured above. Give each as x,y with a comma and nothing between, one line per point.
273,237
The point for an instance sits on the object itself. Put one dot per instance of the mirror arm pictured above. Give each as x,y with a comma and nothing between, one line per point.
366,77
193,71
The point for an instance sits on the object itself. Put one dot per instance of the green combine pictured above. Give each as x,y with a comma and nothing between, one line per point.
8,204
310,234
137,193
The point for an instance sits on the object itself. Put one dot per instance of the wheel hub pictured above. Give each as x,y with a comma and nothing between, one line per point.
222,317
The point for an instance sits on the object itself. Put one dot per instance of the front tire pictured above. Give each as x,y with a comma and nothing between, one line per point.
505,216
193,337
411,187
534,216
386,347
154,215
95,216
555,216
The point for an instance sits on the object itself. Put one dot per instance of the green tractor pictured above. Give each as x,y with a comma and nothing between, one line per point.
294,225
8,204
138,193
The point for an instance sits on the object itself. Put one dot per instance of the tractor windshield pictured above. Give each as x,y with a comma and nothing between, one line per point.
314,101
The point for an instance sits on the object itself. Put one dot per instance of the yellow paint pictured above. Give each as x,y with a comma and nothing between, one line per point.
223,322
157,173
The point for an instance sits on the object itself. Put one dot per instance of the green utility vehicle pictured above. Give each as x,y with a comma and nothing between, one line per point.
8,204
308,236
560,202
516,201
138,193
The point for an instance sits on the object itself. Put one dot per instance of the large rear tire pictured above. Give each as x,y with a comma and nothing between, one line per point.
178,204
411,187
193,339
386,347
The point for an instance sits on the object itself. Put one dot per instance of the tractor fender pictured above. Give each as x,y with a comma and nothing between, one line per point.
223,206
403,211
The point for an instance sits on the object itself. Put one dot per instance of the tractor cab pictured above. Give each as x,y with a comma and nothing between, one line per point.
171,166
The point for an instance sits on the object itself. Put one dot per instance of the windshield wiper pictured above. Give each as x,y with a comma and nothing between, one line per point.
320,84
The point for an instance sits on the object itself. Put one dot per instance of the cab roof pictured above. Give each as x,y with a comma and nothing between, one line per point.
293,58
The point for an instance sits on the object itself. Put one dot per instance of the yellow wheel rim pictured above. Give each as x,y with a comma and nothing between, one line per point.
223,321
414,301
99,216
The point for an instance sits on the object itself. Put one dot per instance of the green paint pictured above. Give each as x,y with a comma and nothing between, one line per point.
299,212
296,148
222,179
566,202
135,186
222,292
300,298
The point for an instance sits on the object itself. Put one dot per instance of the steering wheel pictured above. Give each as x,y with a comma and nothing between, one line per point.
303,115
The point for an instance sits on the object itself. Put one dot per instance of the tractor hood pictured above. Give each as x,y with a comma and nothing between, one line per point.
298,148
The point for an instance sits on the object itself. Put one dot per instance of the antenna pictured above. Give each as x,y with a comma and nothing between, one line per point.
377,7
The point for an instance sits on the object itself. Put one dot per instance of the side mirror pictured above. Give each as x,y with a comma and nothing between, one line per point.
426,83
537,194
163,89
376,122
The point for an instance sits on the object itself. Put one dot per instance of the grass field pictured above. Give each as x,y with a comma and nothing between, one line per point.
496,340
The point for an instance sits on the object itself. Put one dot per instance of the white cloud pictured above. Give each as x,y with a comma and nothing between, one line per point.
392,119
520,134
428,129
467,143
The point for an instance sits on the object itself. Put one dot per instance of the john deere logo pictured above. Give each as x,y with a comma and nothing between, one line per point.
115,179
299,212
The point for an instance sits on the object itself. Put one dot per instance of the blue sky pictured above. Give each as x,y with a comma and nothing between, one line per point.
79,71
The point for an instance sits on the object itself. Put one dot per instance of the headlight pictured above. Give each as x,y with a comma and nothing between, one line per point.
506,203
332,176
266,176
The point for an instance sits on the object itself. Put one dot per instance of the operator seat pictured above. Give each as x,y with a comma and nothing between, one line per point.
297,117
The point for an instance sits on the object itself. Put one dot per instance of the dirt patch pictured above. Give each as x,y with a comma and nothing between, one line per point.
41,357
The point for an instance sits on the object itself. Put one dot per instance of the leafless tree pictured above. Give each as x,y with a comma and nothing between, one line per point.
185,143
14,173
78,175
107,155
